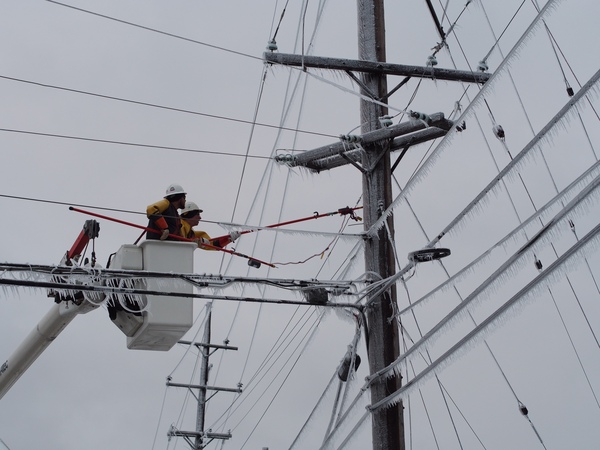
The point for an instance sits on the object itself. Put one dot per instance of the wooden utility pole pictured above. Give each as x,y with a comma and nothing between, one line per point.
201,409
387,423
372,158
201,437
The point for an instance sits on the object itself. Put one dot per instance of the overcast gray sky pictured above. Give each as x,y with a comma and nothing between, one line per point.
177,106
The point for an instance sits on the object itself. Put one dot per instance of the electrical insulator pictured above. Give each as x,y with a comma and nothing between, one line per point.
431,61
350,138
386,121
482,66
499,132
272,45
420,116
285,159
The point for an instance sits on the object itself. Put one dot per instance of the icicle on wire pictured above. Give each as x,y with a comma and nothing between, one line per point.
426,167
583,180
512,263
567,262
534,144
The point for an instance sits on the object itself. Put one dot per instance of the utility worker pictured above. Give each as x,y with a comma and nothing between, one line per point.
163,216
190,217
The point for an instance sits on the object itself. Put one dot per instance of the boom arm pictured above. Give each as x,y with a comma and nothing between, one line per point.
52,324
38,340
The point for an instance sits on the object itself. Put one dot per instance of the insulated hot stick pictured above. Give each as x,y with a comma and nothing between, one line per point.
252,262
342,211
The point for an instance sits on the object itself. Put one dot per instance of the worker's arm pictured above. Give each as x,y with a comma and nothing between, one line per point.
225,240
154,212
203,238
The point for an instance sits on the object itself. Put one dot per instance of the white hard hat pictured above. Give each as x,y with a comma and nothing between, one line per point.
189,207
174,189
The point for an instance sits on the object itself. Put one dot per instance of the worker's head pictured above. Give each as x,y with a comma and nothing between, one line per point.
176,195
191,213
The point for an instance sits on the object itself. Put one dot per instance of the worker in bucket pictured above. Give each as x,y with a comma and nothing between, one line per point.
163,216
190,217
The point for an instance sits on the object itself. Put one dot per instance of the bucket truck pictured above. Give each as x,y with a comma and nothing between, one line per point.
157,326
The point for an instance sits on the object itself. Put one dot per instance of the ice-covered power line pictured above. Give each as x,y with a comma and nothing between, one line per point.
12,273
426,204
421,174
225,225
581,202
566,263
541,214
523,157
504,31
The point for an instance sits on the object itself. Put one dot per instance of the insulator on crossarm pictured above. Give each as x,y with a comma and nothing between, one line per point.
420,116
461,126
482,66
431,61
499,132
386,121
570,91
350,138
284,159
272,45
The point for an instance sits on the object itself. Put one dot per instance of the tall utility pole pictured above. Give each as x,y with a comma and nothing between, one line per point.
387,423
372,158
202,438
201,409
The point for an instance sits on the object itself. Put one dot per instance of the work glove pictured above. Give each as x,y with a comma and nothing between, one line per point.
201,241
234,235
164,234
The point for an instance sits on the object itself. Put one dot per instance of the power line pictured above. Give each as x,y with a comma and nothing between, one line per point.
200,281
154,30
109,290
168,108
132,144
82,205
55,202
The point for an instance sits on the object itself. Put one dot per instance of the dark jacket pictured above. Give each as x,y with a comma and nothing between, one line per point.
163,215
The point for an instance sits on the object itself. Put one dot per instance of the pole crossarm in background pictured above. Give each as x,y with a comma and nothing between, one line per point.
203,386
